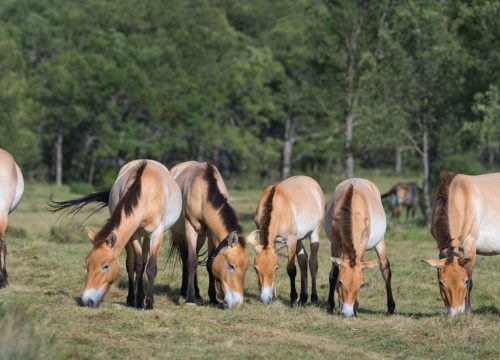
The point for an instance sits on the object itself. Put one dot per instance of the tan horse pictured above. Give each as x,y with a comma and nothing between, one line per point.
355,222
405,195
144,201
288,212
207,213
465,222
11,191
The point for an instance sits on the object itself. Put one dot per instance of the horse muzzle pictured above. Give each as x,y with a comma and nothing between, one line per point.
92,297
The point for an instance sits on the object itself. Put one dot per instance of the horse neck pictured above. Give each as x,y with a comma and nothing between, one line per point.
125,231
215,224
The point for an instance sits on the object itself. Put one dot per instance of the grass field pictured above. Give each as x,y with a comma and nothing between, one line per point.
40,318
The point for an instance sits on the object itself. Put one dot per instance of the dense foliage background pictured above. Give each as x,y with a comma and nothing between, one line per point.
263,89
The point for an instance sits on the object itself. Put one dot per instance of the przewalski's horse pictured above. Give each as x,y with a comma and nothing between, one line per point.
207,213
11,191
144,200
287,213
405,195
465,222
355,222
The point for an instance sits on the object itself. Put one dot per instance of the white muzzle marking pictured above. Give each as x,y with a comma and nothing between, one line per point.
232,298
92,297
457,310
267,294
347,310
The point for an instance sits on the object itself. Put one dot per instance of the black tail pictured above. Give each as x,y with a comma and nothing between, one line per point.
73,206
387,194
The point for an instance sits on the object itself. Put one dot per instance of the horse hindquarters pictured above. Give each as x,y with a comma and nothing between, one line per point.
3,253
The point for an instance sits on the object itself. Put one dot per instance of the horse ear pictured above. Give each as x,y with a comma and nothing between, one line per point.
90,233
369,264
232,239
111,240
438,263
463,261
338,261
251,239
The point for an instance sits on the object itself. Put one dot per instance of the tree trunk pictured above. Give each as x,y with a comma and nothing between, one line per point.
349,117
398,168
427,172
58,146
287,148
91,170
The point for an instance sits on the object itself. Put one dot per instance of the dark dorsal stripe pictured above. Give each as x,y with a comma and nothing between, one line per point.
220,203
266,217
440,220
126,204
346,227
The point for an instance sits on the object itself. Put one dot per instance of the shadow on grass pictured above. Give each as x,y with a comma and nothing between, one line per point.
487,310
173,294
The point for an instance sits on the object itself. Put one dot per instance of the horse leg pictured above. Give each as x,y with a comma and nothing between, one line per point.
199,299
302,260
3,254
141,259
470,253
180,241
313,263
212,293
156,240
130,271
336,251
385,269
192,263
291,269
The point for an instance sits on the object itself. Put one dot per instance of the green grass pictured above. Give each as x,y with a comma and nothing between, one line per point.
40,318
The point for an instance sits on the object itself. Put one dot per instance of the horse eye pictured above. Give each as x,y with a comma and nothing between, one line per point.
340,284
277,268
231,267
256,268
106,267
441,284
466,283
362,285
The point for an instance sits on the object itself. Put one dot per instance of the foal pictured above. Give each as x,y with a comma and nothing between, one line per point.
355,222
11,191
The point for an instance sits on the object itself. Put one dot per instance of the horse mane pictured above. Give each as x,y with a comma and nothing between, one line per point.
346,226
220,203
440,220
126,204
266,217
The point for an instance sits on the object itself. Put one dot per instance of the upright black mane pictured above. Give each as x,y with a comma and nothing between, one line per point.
126,204
346,227
266,218
220,203
440,220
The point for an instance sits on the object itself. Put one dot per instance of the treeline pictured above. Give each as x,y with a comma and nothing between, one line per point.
260,88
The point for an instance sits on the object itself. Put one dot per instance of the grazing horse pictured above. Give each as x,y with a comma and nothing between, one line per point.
355,222
207,213
465,222
11,191
288,212
405,195
144,201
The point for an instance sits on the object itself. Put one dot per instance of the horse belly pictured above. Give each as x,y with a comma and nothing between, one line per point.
488,243
306,226
18,195
377,232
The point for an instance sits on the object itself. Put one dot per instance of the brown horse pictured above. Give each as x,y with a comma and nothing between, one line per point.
355,222
465,222
144,201
207,213
11,191
405,195
288,212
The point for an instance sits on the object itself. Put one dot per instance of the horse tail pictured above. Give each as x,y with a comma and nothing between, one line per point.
73,206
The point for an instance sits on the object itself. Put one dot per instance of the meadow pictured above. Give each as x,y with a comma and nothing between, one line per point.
40,316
